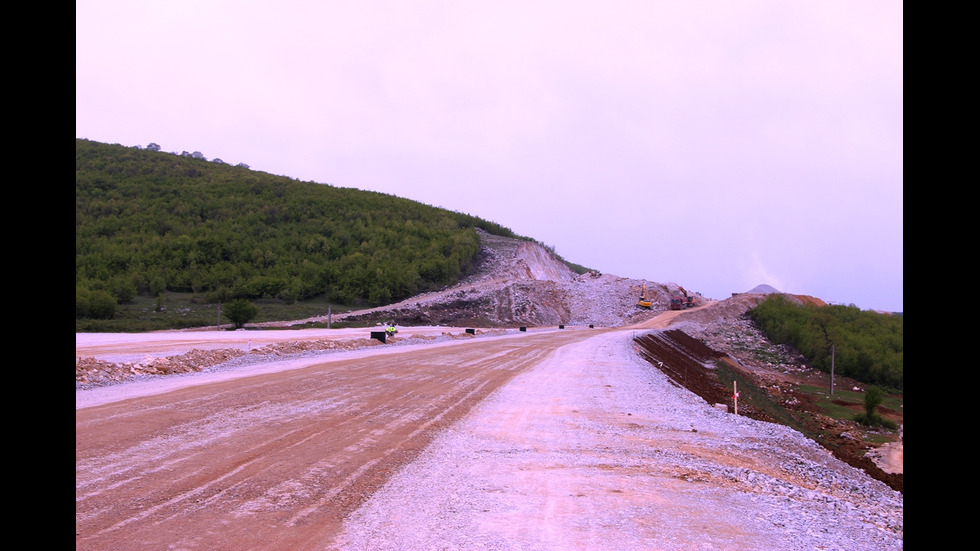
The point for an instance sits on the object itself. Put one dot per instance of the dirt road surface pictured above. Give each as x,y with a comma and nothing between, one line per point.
350,451
274,460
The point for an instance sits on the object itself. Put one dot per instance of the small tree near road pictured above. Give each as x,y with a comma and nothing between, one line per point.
872,399
241,312
873,396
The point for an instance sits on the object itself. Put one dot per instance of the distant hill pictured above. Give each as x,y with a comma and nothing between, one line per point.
762,290
149,222
800,299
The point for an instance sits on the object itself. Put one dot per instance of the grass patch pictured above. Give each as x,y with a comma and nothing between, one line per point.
846,404
842,405
756,398
878,437
188,310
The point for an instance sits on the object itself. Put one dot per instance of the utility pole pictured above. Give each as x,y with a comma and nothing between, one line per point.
329,314
832,350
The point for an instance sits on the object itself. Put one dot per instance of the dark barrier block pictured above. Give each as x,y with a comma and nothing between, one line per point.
380,335
471,331
523,328
561,327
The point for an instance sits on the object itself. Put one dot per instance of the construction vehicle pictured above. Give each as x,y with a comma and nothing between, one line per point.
691,301
677,303
645,301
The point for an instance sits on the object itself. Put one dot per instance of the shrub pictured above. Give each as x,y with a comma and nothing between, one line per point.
101,305
873,396
241,312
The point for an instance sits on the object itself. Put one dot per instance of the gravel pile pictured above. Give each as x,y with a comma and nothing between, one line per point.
93,372
610,455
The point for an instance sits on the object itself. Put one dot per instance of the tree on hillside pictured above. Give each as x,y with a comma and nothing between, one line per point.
873,397
164,223
241,312
94,304
863,345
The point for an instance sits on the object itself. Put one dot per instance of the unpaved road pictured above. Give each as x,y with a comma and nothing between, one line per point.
551,439
275,460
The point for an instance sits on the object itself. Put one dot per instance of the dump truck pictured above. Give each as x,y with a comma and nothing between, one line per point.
677,303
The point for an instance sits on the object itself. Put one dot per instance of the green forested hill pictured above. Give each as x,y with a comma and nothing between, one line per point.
863,345
149,222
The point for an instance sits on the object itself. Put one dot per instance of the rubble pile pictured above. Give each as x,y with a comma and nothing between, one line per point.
93,371
90,371
296,347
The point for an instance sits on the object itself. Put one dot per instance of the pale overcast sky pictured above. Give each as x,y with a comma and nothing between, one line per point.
717,145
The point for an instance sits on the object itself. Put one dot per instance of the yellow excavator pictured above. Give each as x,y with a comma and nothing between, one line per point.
645,301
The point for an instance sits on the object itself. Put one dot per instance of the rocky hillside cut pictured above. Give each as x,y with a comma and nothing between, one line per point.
521,283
